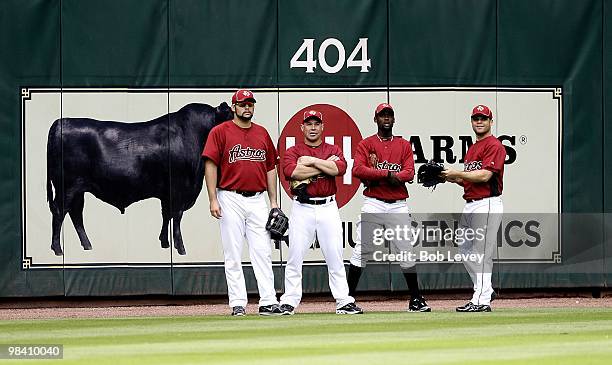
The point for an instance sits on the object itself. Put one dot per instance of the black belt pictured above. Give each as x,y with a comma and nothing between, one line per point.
246,194
315,201
388,201
477,199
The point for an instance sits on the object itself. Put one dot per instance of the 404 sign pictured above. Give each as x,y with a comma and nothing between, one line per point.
310,63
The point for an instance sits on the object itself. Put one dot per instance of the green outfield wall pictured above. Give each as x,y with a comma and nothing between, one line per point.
542,65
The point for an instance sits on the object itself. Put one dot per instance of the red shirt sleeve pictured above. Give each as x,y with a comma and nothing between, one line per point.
272,155
407,172
341,163
493,158
214,146
361,168
290,162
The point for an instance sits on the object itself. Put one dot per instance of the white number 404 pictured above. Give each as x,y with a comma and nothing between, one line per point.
310,63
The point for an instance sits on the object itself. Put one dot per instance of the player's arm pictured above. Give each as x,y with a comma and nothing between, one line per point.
329,166
308,166
272,187
476,176
407,172
456,180
272,161
212,154
293,170
334,165
302,172
361,168
210,176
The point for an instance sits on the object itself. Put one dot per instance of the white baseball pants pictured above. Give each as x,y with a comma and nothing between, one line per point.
486,215
371,205
305,221
246,217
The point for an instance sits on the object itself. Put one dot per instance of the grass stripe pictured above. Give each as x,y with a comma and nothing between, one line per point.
539,336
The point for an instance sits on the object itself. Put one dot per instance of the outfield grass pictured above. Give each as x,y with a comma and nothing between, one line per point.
542,336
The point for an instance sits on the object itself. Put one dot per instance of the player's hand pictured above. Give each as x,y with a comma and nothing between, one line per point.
394,180
333,158
450,175
215,209
307,160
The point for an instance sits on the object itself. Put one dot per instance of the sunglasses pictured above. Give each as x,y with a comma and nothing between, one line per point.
245,104
479,118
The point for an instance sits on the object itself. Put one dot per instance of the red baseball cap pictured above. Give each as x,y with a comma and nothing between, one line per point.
313,114
242,95
382,107
482,110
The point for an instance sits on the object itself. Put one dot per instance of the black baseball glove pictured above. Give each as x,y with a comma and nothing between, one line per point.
277,224
429,174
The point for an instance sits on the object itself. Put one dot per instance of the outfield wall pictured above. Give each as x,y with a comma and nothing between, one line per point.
542,67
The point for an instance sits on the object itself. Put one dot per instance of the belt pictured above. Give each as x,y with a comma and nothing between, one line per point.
389,201
315,201
246,194
477,199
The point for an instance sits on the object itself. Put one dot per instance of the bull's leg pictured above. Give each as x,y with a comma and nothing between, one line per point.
76,214
176,233
163,236
56,224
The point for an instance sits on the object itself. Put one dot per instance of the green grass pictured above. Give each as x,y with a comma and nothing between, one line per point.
539,336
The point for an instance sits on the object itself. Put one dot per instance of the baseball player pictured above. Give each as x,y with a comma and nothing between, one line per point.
312,168
240,165
385,163
481,179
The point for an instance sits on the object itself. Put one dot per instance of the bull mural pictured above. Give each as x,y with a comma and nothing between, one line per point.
123,163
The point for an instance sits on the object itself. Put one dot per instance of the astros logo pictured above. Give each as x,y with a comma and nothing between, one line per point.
341,130
480,108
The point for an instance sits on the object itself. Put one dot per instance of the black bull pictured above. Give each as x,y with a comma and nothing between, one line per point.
122,163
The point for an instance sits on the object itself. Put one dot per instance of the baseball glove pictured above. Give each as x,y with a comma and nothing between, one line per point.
300,184
277,224
429,174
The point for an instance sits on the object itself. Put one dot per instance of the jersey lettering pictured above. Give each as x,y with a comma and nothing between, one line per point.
385,165
237,153
473,165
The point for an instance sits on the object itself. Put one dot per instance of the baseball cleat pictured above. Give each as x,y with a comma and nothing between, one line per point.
350,308
465,307
287,310
418,304
238,311
270,310
471,307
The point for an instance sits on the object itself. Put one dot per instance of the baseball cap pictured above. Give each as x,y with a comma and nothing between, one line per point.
313,114
482,110
382,107
242,95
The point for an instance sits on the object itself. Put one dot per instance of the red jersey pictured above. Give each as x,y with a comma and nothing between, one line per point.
324,185
395,155
488,154
243,156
